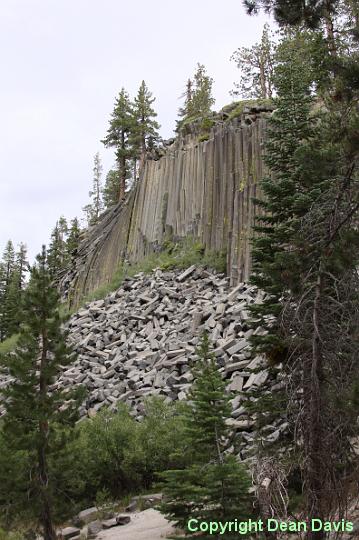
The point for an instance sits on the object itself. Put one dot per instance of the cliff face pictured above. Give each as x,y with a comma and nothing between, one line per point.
203,189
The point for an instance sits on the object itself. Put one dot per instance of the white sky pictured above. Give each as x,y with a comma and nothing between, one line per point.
62,64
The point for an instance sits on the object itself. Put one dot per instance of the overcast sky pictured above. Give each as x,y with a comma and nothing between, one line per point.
62,64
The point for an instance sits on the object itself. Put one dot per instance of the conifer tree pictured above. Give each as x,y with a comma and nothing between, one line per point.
34,410
187,109
57,252
94,209
305,259
110,192
22,264
198,98
118,136
256,67
145,129
9,260
8,293
73,238
202,99
211,482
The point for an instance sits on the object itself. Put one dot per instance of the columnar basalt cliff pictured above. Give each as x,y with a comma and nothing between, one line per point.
201,189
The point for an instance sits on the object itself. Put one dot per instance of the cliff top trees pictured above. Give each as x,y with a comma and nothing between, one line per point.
132,132
118,136
145,128
33,413
198,97
256,68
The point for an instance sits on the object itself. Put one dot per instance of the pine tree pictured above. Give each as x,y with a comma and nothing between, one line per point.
212,482
34,410
9,302
94,209
110,192
187,109
22,264
294,12
9,260
256,65
305,259
202,100
73,238
198,98
145,130
57,252
118,136
285,198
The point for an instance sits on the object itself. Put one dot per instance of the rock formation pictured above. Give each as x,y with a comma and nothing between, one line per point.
141,341
203,189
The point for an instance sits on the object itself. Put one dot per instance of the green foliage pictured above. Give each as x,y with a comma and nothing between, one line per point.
256,65
144,134
36,424
118,136
73,238
198,98
104,459
13,268
286,198
110,192
11,535
57,254
210,481
8,344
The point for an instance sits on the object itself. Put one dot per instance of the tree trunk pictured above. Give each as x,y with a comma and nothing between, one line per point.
262,77
314,445
46,514
329,26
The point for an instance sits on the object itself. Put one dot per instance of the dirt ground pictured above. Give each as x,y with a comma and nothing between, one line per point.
146,525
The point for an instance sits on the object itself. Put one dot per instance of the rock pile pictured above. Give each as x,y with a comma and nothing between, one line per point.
141,341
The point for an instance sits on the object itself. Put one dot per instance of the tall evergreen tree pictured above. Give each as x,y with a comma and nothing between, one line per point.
73,238
22,264
118,136
57,252
202,99
305,259
187,108
198,98
8,296
110,192
256,66
35,411
211,482
94,209
145,129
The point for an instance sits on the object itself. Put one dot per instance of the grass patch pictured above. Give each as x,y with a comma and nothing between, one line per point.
9,344
173,255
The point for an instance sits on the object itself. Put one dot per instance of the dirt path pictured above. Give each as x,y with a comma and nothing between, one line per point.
146,525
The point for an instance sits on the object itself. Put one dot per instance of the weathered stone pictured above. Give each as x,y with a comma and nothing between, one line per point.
123,520
88,515
69,532
94,527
